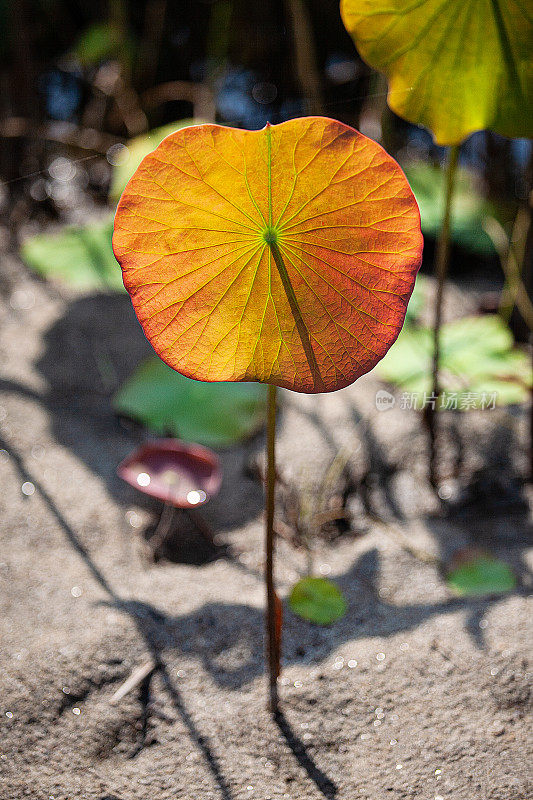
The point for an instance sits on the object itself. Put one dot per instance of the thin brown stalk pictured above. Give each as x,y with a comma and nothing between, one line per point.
441,270
272,610
305,56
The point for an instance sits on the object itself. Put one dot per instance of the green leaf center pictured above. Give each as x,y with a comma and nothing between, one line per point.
270,236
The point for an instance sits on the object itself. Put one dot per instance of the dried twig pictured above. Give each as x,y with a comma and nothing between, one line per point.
136,677
511,253
62,132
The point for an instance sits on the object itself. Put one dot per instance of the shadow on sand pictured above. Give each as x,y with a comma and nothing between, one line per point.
230,625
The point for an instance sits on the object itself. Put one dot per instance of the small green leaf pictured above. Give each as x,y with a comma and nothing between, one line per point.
80,255
212,414
102,42
481,574
138,148
317,600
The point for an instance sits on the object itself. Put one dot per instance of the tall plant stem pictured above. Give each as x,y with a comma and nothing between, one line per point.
441,270
305,55
273,628
527,277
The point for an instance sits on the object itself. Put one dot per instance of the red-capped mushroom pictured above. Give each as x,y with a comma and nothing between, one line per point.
178,473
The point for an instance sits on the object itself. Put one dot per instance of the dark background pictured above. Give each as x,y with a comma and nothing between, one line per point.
72,70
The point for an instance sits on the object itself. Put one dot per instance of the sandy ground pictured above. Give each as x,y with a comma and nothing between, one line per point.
413,694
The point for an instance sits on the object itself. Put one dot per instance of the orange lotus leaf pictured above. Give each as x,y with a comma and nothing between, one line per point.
286,255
